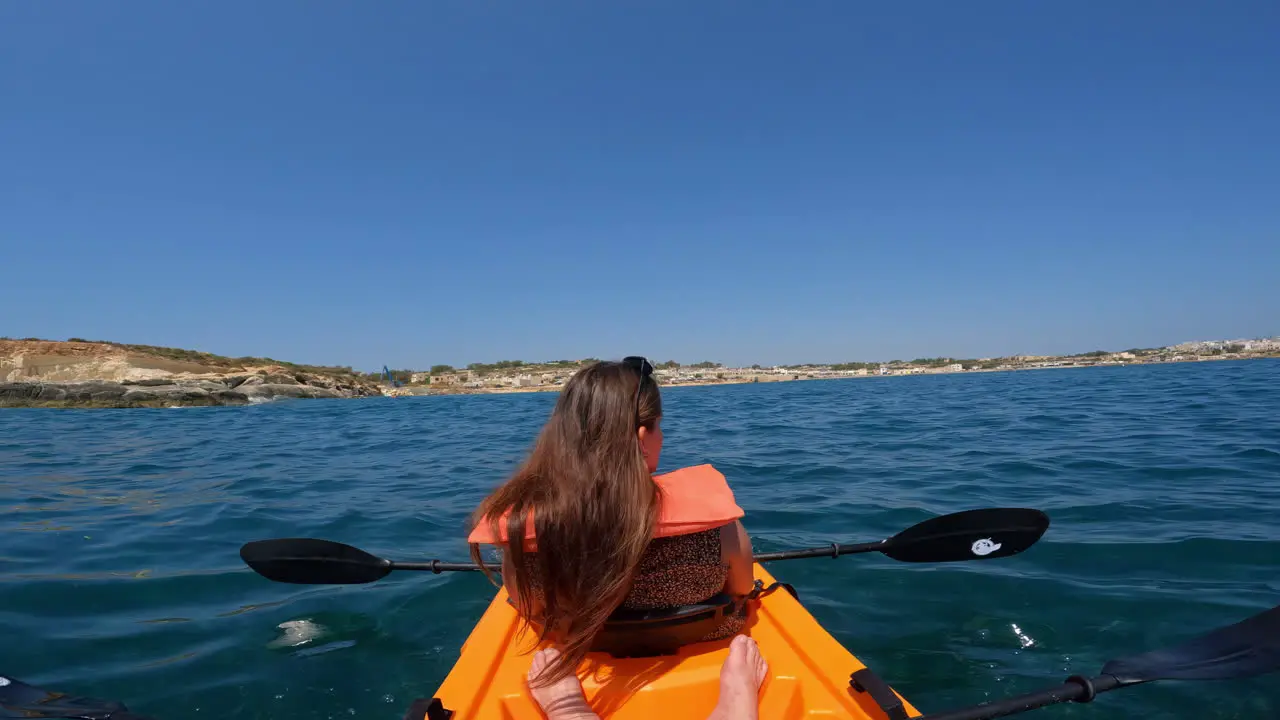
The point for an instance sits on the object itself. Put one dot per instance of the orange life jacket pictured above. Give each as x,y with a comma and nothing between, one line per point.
693,499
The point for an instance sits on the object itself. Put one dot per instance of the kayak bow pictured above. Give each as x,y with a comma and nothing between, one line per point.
810,673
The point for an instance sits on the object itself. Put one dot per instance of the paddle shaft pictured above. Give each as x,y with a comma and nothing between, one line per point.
1075,689
434,566
985,533
832,550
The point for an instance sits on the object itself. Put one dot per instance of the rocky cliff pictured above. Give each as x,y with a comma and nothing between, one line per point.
84,374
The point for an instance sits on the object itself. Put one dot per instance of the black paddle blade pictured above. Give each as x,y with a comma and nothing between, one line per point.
1250,647
983,534
307,561
20,700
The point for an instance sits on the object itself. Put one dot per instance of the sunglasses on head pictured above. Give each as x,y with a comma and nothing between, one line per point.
645,368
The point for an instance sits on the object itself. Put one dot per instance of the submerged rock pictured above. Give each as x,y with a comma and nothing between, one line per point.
296,632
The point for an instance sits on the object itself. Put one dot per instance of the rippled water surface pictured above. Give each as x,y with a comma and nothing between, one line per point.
119,538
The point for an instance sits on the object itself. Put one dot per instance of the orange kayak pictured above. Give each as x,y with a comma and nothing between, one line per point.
811,675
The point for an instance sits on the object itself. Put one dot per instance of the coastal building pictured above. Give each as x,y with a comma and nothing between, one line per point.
955,367
448,379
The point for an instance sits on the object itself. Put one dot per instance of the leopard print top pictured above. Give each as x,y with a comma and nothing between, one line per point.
679,570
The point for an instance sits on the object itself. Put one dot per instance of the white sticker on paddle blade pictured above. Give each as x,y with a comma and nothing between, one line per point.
985,546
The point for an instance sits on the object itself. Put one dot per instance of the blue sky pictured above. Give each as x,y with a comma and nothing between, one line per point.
411,183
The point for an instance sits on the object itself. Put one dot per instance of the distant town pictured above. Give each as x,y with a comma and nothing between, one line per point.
520,376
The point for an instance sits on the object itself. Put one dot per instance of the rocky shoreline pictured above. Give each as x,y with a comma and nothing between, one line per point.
180,392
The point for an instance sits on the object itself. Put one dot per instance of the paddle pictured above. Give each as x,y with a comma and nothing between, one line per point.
969,535
1249,647
309,561
20,700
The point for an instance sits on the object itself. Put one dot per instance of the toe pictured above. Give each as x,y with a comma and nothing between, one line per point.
541,661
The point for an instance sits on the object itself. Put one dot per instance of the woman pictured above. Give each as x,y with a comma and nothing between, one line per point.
600,532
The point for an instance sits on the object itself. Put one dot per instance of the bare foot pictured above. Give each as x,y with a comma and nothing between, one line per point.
743,673
561,700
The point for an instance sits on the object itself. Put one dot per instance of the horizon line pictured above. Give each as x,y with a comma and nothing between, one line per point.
655,362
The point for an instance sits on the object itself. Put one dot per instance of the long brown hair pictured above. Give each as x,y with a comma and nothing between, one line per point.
594,507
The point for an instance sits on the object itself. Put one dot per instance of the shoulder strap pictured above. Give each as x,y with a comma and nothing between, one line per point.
693,499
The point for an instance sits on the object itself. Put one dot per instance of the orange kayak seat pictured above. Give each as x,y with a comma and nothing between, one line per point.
663,631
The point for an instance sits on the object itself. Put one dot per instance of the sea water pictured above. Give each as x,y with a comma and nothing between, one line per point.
120,531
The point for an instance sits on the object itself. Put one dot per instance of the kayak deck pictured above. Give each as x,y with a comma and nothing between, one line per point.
809,672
